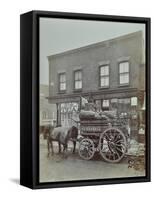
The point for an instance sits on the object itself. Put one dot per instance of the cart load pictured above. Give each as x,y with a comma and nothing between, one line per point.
106,115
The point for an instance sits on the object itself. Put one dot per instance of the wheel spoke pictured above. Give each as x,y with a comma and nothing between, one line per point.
114,157
120,145
109,155
89,153
116,136
117,154
91,150
119,149
106,137
120,141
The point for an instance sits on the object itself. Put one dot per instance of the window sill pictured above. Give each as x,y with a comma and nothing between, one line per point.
62,92
124,85
77,90
104,87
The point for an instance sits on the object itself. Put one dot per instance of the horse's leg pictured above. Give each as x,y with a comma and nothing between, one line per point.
64,151
52,147
59,147
74,144
48,147
65,148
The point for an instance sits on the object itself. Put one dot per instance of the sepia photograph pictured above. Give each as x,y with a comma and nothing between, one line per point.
92,99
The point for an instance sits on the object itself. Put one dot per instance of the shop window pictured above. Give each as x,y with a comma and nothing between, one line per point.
124,105
105,104
114,104
69,112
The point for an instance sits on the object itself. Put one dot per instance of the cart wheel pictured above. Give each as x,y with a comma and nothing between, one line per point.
112,145
86,149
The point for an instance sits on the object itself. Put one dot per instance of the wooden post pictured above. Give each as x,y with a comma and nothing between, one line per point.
58,114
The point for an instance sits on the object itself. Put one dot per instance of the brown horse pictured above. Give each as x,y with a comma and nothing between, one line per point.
62,135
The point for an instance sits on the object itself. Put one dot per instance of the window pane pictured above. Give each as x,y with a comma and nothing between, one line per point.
121,67
121,79
104,81
63,86
124,67
101,71
124,78
78,75
104,70
78,84
62,77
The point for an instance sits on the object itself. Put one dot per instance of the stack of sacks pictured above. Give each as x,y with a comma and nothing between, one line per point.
110,114
92,115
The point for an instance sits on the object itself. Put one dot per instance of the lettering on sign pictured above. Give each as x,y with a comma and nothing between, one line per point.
90,129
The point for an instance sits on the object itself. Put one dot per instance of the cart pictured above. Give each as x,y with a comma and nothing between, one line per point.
108,137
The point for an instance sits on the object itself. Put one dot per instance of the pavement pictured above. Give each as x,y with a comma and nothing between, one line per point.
68,166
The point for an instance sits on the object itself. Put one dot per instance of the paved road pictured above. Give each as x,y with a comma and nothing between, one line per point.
71,167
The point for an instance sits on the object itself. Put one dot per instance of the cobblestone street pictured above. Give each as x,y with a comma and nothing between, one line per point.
59,167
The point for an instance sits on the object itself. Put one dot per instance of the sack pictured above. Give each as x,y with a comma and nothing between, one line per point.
84,114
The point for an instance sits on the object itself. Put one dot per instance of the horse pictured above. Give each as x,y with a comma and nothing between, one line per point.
62,135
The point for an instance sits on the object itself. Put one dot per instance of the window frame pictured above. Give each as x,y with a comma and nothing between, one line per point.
59,82
100,76
119,73
74,80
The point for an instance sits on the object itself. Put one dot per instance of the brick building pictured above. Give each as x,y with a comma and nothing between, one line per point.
111,73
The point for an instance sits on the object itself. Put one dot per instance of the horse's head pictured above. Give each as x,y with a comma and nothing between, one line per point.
47,130
73,135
